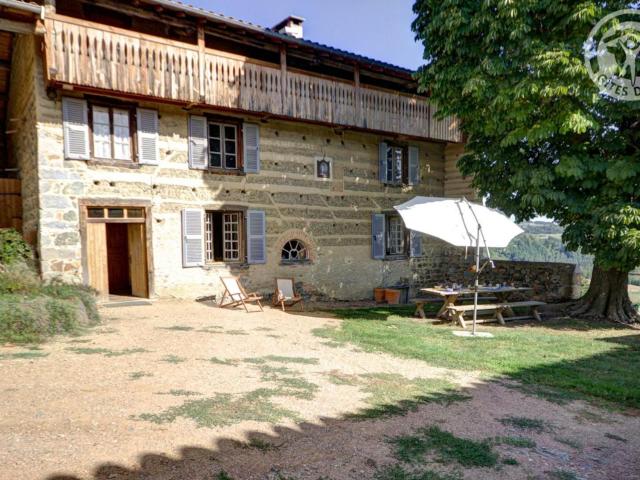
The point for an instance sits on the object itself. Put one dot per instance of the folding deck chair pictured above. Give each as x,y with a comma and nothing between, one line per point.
235,295
285,294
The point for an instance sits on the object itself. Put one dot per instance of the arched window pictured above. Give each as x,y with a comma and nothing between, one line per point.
294,251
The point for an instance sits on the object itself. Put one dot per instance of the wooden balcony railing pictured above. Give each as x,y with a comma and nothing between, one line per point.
107,58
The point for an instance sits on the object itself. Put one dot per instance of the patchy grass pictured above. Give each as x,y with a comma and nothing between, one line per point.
31,355
254,360
447,447
575,358
339,378
288,382
562,475
569,442
236,332
298,360
105,351
177,328
264,329
613,436
223,476
173,359
391,394
258,444
80,340
397,472
518,442
220,361
224,409
510,461
140,374
525,423
180,393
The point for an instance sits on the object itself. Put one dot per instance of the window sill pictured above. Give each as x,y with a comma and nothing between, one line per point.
285,263
217,264
113,163
392,258
222,171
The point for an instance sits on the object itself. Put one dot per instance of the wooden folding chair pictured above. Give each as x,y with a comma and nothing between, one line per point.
235,295
285,294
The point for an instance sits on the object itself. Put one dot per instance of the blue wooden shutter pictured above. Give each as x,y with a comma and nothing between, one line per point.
198,142
76,128
192,237
251,144
256,237
415,243
414,166
382,162
377,236
147,122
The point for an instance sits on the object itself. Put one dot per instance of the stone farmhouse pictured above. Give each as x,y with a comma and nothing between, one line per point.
159,146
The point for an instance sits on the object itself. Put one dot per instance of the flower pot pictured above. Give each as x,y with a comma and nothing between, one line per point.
378,295
392,296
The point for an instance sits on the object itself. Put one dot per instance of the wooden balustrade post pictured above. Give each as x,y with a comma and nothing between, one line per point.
356,79
201,61
283,77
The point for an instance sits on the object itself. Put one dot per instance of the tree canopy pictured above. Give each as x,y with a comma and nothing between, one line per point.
542,139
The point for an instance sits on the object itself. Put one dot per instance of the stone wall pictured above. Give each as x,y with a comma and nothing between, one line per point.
551,282
333,217
22,119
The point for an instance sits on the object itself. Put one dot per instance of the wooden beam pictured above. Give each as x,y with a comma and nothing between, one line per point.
283,75
201,59
356,81
17,27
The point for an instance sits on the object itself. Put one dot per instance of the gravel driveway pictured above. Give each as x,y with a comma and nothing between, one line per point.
182,390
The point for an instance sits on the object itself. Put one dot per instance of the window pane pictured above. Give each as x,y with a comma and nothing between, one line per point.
397,167
135,213
395,236
230,161
230,146
229,133
214,145
389,164
215,160
214,130
116,213
101,133
121,135
94,212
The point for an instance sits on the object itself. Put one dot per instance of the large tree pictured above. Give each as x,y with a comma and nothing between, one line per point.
542,139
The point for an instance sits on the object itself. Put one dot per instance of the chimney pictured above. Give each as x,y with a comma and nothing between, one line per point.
291,25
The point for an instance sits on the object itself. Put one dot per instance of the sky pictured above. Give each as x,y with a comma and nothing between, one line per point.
380,29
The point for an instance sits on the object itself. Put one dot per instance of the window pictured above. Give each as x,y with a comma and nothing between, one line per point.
111,129
324,168
294,251
395,165
223,146
396,240
223,236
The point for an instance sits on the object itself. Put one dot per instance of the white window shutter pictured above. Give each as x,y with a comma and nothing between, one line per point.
378,221
415,243
251,140
382,162
147,121
256,237
192,237
414,165
76,128
198,142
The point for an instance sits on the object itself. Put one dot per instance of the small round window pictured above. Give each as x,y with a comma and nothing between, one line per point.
294,251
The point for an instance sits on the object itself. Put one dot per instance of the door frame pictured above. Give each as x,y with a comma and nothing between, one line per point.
83,204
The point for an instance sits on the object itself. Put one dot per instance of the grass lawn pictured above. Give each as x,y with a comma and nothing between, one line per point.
561,359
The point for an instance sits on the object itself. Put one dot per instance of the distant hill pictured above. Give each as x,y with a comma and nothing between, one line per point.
542,242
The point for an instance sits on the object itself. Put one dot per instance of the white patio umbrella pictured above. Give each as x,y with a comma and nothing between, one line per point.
461,223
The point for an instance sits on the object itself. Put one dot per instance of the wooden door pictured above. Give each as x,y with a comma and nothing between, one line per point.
97,257
138,260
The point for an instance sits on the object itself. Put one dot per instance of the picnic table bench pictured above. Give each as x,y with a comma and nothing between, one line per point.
499,309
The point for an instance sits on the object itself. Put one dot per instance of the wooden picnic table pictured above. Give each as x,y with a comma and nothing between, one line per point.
451,295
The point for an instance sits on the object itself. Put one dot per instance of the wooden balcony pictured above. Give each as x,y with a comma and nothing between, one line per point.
99,57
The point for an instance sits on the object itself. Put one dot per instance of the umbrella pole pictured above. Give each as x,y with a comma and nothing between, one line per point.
477,283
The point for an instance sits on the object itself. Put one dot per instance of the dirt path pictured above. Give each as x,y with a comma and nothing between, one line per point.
182,390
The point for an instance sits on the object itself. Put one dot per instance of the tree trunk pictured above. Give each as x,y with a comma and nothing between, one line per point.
607,298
